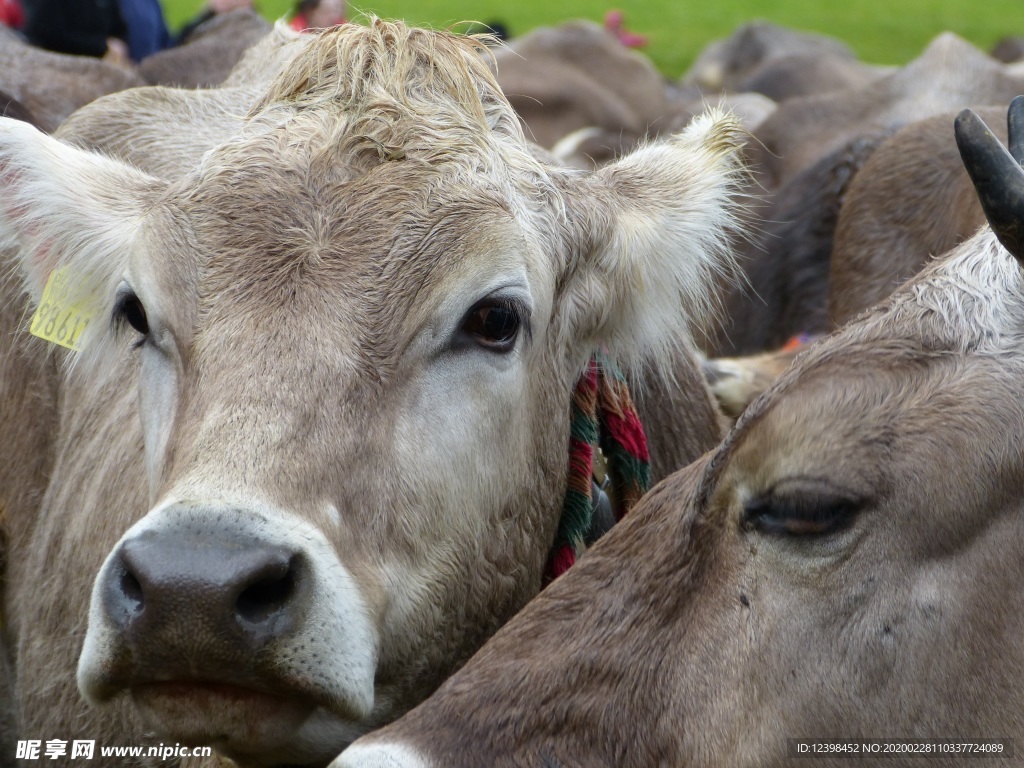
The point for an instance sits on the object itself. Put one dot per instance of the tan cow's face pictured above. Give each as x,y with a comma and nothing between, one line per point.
395,443
353,347
846,566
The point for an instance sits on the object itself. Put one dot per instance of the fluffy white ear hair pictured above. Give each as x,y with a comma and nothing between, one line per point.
656,231
64,207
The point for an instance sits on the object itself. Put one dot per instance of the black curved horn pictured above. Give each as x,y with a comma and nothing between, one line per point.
1015,126
998,178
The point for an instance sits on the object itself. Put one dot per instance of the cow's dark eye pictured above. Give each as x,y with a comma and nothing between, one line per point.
494,324
801,512
129,310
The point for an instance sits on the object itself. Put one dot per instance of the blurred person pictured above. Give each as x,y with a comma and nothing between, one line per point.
79,27
147,30
318,14
213,8
11,14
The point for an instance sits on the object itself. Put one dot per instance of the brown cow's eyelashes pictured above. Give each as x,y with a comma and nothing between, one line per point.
129,311
800,514
494,324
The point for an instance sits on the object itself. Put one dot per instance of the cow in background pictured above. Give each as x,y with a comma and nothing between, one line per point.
911,201
209,54
808,155
947,75
578,76
50,86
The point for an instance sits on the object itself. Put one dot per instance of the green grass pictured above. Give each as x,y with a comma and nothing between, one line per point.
880,31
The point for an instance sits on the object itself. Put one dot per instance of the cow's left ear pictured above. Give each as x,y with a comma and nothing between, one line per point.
655,233
61,206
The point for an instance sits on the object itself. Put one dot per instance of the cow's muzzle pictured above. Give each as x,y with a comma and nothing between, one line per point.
212,618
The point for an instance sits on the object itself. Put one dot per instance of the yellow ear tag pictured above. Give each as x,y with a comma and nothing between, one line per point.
64,312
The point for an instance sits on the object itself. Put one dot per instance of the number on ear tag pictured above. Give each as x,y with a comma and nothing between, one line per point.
64,312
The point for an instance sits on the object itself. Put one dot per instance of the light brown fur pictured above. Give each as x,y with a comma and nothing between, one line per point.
28,424
165,131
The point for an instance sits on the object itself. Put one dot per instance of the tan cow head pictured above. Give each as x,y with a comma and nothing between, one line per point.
354,330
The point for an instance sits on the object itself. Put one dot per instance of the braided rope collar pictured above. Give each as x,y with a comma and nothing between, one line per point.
604,430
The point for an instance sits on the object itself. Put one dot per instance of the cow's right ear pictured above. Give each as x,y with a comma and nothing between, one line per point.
653,241
65,207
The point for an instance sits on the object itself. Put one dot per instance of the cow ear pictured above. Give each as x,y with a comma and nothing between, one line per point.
656,233
65,207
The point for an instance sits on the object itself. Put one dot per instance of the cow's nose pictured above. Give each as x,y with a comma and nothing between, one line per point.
239,590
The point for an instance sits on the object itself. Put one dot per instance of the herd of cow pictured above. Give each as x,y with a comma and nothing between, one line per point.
296,486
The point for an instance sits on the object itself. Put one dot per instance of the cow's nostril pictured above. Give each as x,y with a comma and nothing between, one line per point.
132,590
262,599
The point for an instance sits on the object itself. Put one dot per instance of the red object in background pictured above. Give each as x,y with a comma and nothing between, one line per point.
615,22
299,23
11,14
318,14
